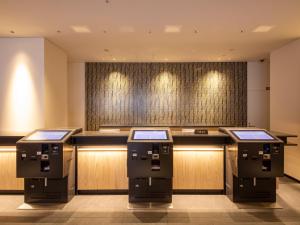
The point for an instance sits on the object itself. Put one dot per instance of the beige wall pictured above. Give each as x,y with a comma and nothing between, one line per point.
56,86
258,97
21,84
285,100
33,85
76,94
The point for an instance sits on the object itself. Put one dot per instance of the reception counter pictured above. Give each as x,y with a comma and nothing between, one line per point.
101,166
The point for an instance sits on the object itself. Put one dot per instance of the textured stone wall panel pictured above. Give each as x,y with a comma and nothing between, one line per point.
171,94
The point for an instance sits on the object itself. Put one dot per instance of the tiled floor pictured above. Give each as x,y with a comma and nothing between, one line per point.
187,209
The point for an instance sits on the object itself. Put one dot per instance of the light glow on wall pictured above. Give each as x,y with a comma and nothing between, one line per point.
21,97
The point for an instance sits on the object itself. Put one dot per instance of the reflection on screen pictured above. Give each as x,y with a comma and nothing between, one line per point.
150,135
42,135
253,135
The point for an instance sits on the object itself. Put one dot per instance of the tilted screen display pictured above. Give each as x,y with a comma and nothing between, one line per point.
47,135
150,135
252,135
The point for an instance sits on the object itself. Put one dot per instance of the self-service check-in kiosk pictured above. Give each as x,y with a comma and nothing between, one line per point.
45,158
254,159
150,165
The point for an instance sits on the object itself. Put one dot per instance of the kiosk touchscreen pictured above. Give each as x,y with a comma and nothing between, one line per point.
150,165
150,135
47,135
255,135
254,158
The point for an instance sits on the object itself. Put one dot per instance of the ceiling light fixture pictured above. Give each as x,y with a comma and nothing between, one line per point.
81,29
172,29
263,29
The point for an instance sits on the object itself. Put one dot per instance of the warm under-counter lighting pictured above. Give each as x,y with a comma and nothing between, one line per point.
198,148
172,29
81,29
175,148
263,29
7,148
103,148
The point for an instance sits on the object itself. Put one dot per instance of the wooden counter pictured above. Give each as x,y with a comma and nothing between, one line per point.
101,160
8,181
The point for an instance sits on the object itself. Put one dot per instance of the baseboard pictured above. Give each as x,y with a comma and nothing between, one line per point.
292,178
199,192
11,192
102,192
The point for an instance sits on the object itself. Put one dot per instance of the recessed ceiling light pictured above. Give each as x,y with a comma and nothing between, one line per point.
263,29
127,29
172,29
81,29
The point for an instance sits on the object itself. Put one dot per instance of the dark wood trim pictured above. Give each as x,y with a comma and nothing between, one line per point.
292,178
11,192
198,192
102,192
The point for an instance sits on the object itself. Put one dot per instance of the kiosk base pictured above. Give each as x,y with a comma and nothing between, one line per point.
55,191
157,190
251,190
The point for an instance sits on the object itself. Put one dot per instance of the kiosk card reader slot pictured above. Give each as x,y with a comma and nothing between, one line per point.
254,158
45,158
150,165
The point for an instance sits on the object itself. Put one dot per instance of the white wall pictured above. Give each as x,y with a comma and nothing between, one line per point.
56,86
33,85
285,100
258,108
76,94
21,84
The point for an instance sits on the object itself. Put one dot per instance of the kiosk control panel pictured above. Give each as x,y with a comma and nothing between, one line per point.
150,164
45,158
254,158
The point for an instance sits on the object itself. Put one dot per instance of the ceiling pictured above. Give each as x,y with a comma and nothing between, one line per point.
134,30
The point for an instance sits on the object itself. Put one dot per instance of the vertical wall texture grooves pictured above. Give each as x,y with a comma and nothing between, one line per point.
166,94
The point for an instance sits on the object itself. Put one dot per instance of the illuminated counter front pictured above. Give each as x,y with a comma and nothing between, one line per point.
8,181
102,167
198,164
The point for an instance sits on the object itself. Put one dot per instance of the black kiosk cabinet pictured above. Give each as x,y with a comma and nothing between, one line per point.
254,158
45,158
150,165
